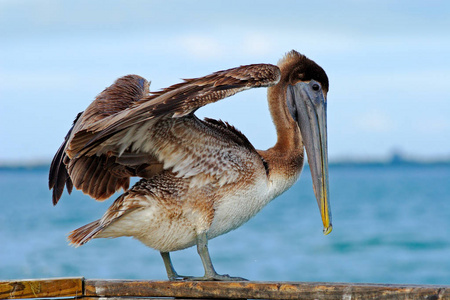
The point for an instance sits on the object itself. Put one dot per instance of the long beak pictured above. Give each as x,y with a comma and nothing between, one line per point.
309,108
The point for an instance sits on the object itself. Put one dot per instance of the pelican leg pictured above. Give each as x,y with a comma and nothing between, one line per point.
171,273
210,273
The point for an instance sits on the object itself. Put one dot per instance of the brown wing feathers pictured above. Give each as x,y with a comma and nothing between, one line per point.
183,98
91,173
58,175
127,103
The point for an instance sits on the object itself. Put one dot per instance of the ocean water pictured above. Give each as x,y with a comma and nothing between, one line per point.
391,225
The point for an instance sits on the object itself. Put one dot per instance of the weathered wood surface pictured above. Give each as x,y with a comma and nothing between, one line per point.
262,290
42,288
80,288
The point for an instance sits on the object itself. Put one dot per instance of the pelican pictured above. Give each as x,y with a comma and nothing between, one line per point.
200,178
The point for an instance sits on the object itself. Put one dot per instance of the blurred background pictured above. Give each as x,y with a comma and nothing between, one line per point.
388,126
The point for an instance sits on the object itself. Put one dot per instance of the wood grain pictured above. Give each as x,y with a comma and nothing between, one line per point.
42,288
79,288
263,290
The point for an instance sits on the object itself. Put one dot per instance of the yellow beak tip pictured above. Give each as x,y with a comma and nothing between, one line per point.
327,230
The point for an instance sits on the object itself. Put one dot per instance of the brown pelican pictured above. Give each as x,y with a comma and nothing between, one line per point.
201,178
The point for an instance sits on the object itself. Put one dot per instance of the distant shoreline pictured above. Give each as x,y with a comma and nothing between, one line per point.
333,164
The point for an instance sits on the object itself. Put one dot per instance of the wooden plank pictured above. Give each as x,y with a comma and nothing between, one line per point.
41,288
130,298
262,290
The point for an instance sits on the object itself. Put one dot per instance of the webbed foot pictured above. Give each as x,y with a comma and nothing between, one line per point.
176,277
216,277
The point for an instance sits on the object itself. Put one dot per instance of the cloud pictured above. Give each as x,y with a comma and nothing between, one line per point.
436,125
374,121
257,44
201,46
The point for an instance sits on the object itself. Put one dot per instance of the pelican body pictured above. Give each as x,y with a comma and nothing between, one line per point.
200,178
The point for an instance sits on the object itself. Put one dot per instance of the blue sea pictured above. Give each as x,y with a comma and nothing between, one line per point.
391,225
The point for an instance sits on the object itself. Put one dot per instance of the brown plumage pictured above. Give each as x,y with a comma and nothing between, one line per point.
102,171
201,178
97,176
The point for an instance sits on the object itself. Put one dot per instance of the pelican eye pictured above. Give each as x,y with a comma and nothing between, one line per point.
315,87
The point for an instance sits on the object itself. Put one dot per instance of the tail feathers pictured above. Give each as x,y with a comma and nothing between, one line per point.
84,234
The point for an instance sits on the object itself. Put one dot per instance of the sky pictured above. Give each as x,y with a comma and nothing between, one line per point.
388,63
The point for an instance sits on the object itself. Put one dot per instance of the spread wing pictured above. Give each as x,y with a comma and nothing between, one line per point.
149,135
119,96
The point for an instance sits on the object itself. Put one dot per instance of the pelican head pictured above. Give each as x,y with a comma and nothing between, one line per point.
306,97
